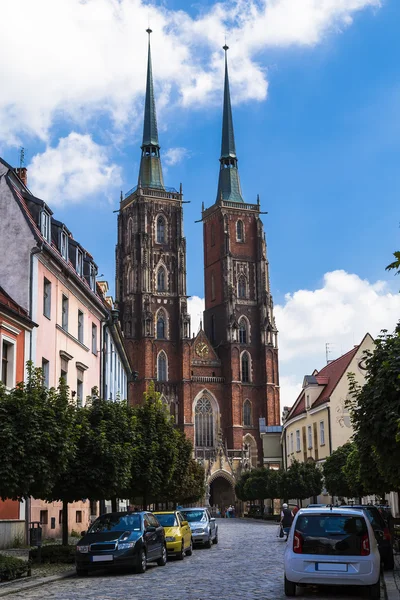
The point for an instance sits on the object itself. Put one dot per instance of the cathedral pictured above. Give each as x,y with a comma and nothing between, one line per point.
221,381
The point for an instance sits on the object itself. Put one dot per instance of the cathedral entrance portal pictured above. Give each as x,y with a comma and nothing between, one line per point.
222,493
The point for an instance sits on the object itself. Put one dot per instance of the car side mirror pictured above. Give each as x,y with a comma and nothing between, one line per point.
150,529
212,519
185,523
83,533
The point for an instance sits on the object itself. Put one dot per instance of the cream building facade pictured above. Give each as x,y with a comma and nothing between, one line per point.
319,422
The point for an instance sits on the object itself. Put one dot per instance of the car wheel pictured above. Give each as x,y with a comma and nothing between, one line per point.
208,543
181,554
162,561
141,564
189,551
215,540
388,563
375,590
290,588
82,572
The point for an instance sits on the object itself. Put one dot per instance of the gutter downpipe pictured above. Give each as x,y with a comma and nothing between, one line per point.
330,437
36,250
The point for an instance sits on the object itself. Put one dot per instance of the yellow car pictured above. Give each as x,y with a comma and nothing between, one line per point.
178,534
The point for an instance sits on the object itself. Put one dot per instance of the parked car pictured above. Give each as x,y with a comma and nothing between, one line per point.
121,540
381,531
178,534
203,526
332,546
386,513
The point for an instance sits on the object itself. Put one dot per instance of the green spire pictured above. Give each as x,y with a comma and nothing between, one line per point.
150,174
229,182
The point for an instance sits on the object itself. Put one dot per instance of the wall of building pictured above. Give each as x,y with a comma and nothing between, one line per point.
116,383
50,515
311,418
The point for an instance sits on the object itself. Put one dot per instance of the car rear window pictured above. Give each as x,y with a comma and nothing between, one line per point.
168,520
331,534
193,516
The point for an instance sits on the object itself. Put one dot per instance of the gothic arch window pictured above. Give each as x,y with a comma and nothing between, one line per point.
161,280
212,286
204,423
161,325
161,230
242,287
162,366
129,234
129,279
239,231
245,366
247,413
243,331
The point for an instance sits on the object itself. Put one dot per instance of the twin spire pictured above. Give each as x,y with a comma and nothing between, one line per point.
150,174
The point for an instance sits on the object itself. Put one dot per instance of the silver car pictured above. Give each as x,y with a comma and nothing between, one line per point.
203,526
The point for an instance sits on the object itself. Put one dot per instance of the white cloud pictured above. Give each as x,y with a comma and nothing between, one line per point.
73,171
339,313
173,156
195,309
95,62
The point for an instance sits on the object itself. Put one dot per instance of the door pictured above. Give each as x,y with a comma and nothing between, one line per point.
212,524
186,531
150,538
159,535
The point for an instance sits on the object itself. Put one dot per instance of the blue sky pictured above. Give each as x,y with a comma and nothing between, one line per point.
316,95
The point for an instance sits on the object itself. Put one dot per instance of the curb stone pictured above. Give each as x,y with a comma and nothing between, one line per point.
12,587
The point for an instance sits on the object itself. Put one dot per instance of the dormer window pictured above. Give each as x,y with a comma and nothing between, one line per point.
308,401
45,225
92,279
79,263
64,245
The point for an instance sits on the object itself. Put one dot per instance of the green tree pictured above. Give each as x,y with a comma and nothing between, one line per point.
375,412
395,265
155,451
351,471
240,487
301,480
175,489
335,479
193,486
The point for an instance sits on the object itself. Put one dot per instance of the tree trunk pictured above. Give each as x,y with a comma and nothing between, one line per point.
114,507
65,523
144,502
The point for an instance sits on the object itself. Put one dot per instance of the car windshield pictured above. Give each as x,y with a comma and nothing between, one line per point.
331,534
116,523
168,520
194,515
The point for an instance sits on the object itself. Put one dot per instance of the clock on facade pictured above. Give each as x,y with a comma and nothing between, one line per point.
201,349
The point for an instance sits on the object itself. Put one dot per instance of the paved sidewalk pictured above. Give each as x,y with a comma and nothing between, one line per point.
392,580
27,583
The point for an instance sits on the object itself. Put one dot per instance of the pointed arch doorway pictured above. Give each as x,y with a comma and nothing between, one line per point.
222,492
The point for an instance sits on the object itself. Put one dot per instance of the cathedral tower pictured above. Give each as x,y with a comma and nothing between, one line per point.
151,269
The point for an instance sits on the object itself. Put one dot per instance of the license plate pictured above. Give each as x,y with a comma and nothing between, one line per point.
103,557
331,567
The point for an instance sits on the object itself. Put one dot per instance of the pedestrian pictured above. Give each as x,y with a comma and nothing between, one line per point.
295,510
286,519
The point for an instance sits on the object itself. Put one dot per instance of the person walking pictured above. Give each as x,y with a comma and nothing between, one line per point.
286,519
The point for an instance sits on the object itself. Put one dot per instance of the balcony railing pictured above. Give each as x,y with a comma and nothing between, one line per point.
158,192
208,379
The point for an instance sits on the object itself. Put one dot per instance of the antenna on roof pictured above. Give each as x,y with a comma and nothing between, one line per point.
328,351
21,157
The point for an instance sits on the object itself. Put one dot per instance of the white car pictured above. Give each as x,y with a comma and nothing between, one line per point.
329,546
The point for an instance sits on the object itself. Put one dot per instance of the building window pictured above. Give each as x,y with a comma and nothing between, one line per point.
79,262
243,331
162,367
64,313
204,423
60,516
322,433
212,287
44,517
80,326
64,375
291,443
45,225
287,444
92,277
129,232
161,325
161,279
79,388
309,435
239,231
7,364
307,401
94,338
212,234
242,287
161,230
79,516
245,363
247,413
297,440
64,245
47,298
46,372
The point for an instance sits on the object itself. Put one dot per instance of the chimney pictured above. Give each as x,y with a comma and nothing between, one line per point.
22,173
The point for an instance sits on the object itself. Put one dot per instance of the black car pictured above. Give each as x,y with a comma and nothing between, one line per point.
121,539
381,530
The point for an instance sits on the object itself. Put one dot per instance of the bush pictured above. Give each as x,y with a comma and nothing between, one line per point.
54,553
12,567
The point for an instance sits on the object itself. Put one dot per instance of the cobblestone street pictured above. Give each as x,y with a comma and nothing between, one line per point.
247,564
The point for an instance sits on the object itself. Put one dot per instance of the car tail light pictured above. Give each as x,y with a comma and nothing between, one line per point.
365,549
297,543
386,534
